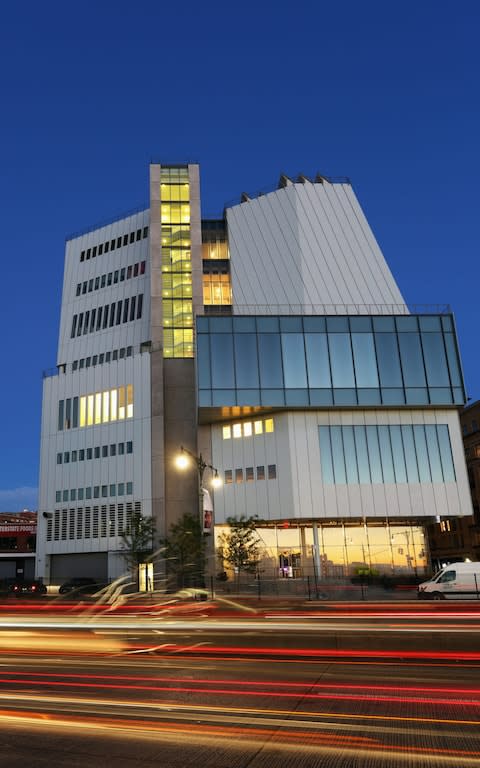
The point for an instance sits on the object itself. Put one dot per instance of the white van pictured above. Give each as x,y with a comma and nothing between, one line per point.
458,581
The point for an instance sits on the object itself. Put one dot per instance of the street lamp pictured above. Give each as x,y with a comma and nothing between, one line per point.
205,506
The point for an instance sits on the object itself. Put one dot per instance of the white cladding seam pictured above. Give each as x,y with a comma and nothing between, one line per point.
307,244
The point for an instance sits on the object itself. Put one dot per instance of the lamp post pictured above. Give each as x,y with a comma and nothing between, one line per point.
205,506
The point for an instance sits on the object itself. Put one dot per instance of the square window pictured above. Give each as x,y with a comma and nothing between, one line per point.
65,496
84,287
104,491
228,477
122,274
132,237
145,231
247,429
249,474
89,454
129,447
73,494
101,358
142,267
115,277
121,489
239,475
227,432
258,425
112,490
80,494
94,251
237,430
59,458
115,354
97,283
96,452
58,497
129,351
82,256
66,457
260,473
74,365
139,234
96,491
135,270
81,455
103,281
94,359
74,455
89,251
122,353
100,249
129,272
268,425
90,285
272,471
79,288
81,363
129,489
119,242
113,449
107,357
125,239
107,247
88,360
121,449
109,278
88,493
104,451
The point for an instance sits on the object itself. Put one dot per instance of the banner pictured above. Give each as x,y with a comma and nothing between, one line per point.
207,511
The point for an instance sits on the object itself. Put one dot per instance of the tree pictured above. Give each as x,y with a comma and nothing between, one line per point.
241,546
185,552
137,540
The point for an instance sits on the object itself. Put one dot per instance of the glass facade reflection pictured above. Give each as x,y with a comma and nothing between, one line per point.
316,361
386,454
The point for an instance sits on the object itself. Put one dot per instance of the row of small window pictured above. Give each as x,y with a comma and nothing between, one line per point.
86,454
123,311
103,357
249,475
97,408
111,245
91,522
111,278
474,427
247,428
94,492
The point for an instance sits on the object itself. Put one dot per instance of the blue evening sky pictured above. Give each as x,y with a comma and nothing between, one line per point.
385,92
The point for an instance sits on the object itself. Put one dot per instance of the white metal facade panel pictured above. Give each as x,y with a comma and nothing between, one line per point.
308,245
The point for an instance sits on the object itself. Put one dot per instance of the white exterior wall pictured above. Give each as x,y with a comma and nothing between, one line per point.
135,369
299,493
308,248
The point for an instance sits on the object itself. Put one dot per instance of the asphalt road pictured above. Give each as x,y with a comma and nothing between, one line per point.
348,688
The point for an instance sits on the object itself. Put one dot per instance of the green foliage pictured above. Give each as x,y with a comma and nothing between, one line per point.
185,552
137,539
241,546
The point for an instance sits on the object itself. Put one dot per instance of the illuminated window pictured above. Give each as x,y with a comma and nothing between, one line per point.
268,425
258,427
121,402
98,408
228,476
106,404
113,404
239,475
247,429
249,474
129,401
83,411
260,473
227,433
237,430
90,407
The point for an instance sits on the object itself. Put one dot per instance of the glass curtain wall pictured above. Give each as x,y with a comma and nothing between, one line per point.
176,262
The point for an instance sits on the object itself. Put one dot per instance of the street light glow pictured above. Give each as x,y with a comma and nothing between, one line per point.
182,461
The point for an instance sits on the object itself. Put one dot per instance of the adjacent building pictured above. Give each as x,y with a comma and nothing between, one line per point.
18,534
275,343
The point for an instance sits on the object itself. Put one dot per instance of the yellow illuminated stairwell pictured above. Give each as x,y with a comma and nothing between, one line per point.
176,262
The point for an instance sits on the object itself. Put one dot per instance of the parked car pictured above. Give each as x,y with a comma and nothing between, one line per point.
32,587
80,585
459,581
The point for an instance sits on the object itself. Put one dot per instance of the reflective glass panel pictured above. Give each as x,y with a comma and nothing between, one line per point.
398,455
203,361
350,455
270,360
362,454
410,454
435,360
338,455
386,454
422,453
341,360
364,359
374,455
412,360
388,360
433,453
326,455
294,367
318,364
445,453
452,356
246,360
222,361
